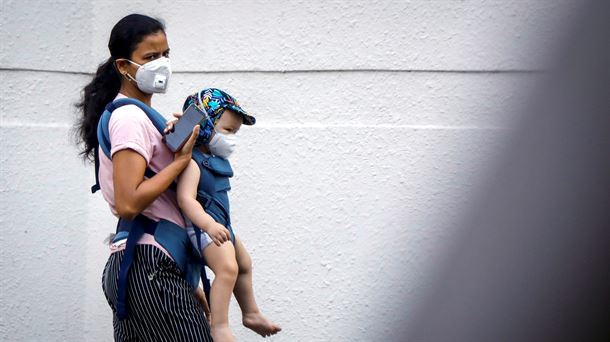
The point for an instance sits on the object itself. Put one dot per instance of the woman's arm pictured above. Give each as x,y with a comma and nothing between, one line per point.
187,200
133,193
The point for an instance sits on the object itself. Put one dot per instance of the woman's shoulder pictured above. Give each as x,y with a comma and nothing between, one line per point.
129,111
130,115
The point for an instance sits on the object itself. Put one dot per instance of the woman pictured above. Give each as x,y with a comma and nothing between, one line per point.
160,303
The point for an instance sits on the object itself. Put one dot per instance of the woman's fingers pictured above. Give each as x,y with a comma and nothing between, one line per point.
171,123
188,146
170,126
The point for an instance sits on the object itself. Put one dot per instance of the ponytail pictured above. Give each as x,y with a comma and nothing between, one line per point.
124,38
96,95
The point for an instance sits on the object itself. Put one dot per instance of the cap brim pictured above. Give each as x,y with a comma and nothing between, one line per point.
248,119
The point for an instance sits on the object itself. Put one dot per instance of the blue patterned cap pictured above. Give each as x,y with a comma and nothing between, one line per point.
214,102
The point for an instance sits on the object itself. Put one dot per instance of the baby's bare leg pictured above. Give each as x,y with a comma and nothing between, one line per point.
221,259
244,293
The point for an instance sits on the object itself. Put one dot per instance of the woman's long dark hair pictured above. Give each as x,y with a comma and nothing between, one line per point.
124,38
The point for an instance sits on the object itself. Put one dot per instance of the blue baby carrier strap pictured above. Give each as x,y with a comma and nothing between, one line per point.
135,228
103,133
170,236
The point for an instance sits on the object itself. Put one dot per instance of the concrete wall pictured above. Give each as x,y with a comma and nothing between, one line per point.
375,122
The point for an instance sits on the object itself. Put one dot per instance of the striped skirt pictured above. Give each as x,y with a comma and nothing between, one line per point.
161,305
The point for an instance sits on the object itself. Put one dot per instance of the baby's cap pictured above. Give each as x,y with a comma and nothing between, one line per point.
214,102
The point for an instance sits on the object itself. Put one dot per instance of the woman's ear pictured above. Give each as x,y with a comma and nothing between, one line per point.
122,66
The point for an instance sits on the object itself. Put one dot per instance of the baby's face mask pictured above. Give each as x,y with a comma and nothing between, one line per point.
223,145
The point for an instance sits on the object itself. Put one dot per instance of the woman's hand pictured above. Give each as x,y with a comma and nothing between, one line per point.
184,154
171,123
200,296
219,233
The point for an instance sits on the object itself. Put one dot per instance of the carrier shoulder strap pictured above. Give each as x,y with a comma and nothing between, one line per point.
103,134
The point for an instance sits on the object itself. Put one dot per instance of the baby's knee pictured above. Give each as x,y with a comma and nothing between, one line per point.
227,269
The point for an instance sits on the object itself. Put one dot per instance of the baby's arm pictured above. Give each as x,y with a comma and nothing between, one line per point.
187,200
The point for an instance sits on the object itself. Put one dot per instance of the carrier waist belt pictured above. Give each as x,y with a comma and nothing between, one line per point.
169,235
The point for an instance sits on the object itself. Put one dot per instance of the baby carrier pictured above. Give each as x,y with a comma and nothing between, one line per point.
168,234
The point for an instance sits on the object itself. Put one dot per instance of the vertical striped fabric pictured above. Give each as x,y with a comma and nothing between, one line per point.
161,305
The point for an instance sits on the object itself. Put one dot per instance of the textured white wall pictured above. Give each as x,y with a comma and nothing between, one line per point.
374,121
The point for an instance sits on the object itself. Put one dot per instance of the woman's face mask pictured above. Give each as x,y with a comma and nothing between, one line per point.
152,77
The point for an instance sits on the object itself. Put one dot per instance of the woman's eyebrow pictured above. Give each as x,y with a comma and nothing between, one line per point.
149,53
155,52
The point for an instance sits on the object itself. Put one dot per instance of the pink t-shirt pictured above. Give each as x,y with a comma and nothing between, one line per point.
130,128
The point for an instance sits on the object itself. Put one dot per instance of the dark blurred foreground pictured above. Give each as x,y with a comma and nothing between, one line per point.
532,261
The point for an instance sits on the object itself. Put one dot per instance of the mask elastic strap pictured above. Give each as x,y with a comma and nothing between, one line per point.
127,75
132,62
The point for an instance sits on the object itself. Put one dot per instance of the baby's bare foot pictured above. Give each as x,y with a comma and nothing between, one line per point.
222,333
260,324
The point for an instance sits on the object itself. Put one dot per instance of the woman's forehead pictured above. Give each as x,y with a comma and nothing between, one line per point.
155,42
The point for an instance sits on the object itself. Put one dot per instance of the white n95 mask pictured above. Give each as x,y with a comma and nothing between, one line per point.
153,77
223,145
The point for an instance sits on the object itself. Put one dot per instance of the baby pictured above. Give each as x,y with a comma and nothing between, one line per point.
203,197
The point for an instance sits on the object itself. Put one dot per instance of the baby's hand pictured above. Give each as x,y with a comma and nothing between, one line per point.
171,123
218,233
